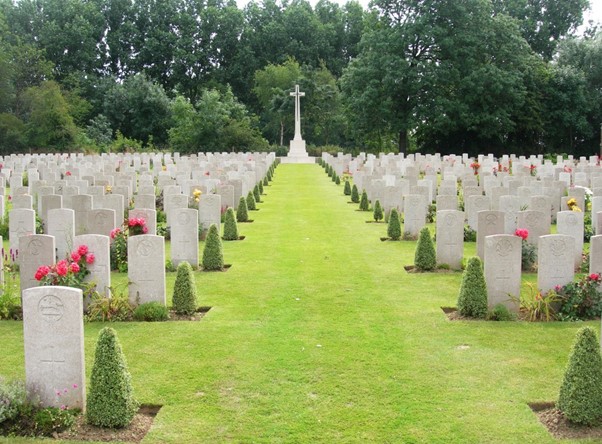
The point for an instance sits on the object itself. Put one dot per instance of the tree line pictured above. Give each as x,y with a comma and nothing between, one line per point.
204,75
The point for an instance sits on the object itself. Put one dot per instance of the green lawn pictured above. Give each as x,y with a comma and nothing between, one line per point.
317,334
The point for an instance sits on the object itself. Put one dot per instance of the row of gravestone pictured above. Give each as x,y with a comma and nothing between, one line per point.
146,263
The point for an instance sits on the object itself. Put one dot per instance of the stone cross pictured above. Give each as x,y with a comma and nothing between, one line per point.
297,95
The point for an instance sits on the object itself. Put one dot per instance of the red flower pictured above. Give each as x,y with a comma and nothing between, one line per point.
75,256
74,267
68,173
82,250
42,272
522,233
115,232
594,276
90,258
61,268
145,229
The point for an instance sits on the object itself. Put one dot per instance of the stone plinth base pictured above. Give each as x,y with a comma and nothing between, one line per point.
297,159
297,148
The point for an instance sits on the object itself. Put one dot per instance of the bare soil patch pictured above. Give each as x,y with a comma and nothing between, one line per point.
197,316
135,432
559,426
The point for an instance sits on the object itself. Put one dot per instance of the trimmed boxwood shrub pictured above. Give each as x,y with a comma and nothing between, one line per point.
260,186
364,203
265,181
472,299
242,212
184,289
355,195
425,258
251,202
230,226
256,194
151,312
347,189
338,181
378,211
110,402
580,397
213,256
394,227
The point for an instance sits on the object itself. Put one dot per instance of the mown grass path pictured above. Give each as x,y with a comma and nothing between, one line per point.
317,334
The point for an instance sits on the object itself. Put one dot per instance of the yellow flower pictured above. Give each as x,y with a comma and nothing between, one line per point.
197,193
572,201
576,209
164,168
108,189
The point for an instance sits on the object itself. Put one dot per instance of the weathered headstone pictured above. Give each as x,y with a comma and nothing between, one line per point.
595,254
35,250
555,261
210,210
149,216
100,269
81,205
21,222
414,213
536,223
53,333
488,224
450,238
502,267
101,221
146,269
61,225
185,236
571,224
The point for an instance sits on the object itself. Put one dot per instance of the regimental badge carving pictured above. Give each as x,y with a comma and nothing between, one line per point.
503,247
51,308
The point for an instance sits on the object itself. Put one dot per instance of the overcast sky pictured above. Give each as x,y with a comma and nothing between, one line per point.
595,12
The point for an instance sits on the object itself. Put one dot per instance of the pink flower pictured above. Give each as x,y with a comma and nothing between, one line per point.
145,229
68,173
42,272
557,288
61,268
82,250
90,258
115,232
594,276
74,267
75,256
522,233
74,386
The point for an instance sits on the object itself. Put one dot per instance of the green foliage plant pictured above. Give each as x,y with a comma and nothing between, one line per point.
500,313
251,202
242,212
580,300
109,309
355,195
230,226
265,181
151,312
394,226
538,305
364,203
425,257
580,397
184,291
472,298
260,186
256,194
378,211
213,257
110,401
337,180
347,188
13,397
470,235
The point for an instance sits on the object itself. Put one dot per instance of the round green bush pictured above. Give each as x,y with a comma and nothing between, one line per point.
184,290
213,257
251,201
472,299
230,226
364,203
151,312
355,195
256,194
378,211
394,226
580,397
242,212
425,257
110,401
347,189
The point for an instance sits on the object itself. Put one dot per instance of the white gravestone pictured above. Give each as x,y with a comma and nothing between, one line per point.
450,238
35,250
61,225
146,269
502,268
53,333
185,237
100,269
555,261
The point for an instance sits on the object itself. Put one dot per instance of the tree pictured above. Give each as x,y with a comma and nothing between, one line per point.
139,108
472,298
184,290
230,226
425,257
544,23
110,401
580,397
378,211
50,126
213,256
242,211
394,226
